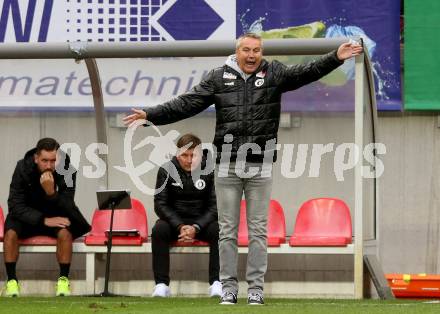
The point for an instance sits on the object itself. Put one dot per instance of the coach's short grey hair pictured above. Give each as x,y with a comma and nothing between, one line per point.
248,35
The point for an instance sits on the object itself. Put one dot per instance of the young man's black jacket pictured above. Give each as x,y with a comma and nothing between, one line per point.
247,109
185,201
29,203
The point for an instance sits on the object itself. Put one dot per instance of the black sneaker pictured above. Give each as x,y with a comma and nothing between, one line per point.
255,299
228,298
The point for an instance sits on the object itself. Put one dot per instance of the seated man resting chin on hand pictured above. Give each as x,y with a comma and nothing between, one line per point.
41,203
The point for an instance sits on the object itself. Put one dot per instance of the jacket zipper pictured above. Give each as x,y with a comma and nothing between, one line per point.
245,114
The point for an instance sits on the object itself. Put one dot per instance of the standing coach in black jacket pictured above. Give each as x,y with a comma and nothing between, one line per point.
246,92
187,211
41,203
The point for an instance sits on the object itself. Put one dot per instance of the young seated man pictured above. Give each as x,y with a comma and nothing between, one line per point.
187,210
41,203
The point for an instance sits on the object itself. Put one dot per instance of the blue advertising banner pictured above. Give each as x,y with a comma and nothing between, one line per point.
377,22
61,84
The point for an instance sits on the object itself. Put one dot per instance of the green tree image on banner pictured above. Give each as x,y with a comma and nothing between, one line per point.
422,62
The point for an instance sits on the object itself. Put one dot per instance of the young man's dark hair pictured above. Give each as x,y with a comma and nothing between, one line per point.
187,139
187,210
47,144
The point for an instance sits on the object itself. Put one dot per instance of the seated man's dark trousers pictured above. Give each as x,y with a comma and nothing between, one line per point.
184,202
163,235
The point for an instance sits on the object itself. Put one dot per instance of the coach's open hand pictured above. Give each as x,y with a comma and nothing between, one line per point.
137,114
348,50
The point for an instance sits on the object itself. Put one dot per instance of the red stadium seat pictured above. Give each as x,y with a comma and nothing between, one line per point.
276,225
195,243
322,222
2,224
124,219
38,240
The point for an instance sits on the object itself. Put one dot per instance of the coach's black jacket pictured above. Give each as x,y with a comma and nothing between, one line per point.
248,109
184,201
29,203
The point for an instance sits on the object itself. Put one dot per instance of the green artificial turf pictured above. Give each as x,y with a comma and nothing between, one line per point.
84,305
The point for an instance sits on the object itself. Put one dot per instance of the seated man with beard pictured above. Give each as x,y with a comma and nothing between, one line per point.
41,203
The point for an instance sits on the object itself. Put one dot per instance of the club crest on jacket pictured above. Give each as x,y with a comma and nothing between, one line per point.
200,184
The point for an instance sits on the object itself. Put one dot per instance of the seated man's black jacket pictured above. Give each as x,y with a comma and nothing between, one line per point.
29,203
185,201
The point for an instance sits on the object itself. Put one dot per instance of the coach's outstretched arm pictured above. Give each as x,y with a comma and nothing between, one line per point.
184,106
294,76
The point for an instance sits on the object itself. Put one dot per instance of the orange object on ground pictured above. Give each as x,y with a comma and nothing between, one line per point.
414,286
